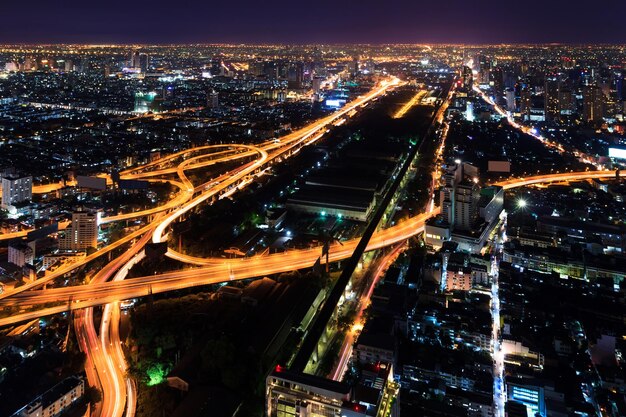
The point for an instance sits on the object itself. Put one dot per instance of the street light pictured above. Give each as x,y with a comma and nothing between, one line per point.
521,203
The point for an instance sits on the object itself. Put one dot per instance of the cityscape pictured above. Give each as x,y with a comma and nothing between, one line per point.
283,228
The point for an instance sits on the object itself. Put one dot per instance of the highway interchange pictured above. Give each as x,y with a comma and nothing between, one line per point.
106,366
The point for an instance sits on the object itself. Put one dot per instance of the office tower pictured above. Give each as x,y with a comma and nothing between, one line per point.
213,99
69,65
509,96
295,75
256,68
466,204
354,66
468,78
497,81
459,196
592,103
134,60
567,103
525,100
144,63
551,98
217,66
484,70
317,85
16,189
82,233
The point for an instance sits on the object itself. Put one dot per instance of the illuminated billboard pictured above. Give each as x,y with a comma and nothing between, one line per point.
336,103
618,153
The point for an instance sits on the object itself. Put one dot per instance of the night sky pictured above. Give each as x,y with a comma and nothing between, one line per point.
349,21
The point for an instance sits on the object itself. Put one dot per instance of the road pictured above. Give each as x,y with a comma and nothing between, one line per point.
238,269
227,183
345,353
105,365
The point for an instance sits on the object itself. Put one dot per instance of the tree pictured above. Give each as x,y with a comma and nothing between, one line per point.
93,395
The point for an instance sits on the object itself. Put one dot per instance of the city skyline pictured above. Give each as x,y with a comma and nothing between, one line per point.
158,22
346,230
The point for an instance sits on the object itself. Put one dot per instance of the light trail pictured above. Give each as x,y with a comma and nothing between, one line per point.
243,268
410,104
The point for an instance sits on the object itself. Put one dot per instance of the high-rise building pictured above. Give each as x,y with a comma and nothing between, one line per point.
567,103
468,78
317,85
144,63
466,204
551,98
295,75
354,66
217,66
525,100
134,60
484,70
15,190
459,196
256,68
82,233
509,96
592,103
496,79
213,101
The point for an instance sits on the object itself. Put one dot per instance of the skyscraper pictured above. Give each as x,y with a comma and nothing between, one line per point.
295,75
484,69
592,103
459,196
144,63
551,97
525,100
217,66
134,60
509,95
468,78
213,99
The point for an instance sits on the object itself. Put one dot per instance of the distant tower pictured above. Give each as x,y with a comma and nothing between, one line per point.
144,63
295,75
551,97
217,66
134,60
525,100
509,95
468,78
213,99
592,103
354,66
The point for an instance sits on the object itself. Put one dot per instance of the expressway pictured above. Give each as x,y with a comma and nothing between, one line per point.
226,183
105,364
102,356
105,361
237,269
